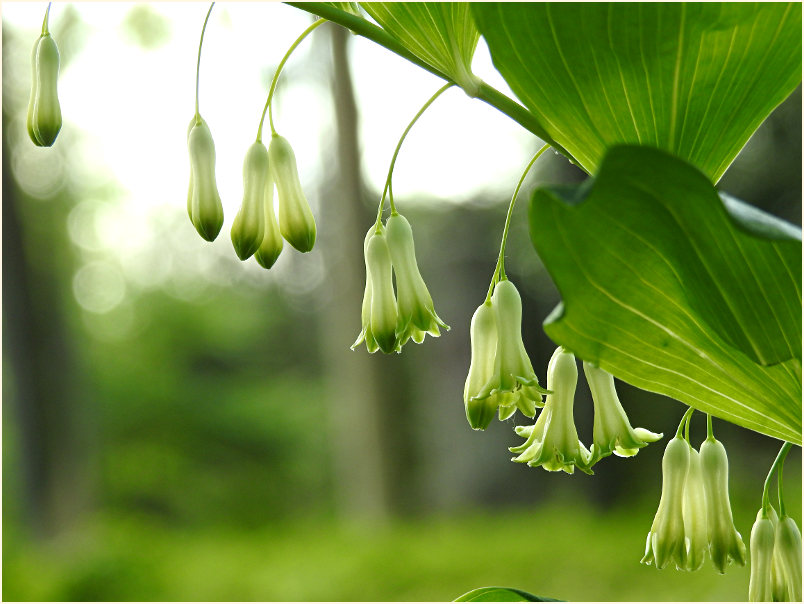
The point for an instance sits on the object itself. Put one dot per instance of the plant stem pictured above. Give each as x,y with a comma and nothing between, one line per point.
486,93
687,427
683,421
778,462
388,189
45,31
198,63
276,78
710,434
499,269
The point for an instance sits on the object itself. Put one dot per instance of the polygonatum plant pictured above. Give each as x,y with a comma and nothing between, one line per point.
666,282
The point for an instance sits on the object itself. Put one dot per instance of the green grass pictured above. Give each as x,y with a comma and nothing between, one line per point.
562,550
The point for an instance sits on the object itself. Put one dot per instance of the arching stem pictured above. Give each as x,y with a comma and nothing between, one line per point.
682,423
778,462
198,63
284,60
499,269
388,188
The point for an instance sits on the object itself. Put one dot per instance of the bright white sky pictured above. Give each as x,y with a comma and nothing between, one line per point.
133,106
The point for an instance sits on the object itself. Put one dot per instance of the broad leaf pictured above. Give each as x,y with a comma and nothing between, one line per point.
670,290
695,79
501,594
442,34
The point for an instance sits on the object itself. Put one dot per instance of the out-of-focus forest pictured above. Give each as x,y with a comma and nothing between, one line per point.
179,427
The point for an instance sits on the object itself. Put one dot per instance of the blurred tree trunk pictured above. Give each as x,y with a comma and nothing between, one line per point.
358,447
41,390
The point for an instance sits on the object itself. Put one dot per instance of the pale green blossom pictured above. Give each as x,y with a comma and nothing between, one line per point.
552,442
416,314
513,384
725,543
612,430
296,221
666,539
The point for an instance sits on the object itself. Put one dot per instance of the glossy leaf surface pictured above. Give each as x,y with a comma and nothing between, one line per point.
695,79
673,290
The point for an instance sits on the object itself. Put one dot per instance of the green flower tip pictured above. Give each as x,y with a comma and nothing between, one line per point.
44,112
666,539
612,430
296,222
203,201
501,375
552,442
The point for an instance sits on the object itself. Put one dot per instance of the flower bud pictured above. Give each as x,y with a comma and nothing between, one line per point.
249,225
417,315
383,315
483,334
514,383
787,559
44,111
612,430
725,543
552,442
272,242
694,513
760,587
206,210
296,220
665,542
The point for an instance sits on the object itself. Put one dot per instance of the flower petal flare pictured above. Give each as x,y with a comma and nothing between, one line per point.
416,314
612,430
552,442
666,539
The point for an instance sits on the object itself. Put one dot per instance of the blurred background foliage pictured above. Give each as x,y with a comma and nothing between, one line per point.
178,426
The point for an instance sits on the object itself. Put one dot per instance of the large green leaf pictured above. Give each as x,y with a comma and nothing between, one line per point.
694,79
501,594
442,34
669,289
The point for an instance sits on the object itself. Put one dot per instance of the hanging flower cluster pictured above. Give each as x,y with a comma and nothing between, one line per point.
694,516
775,548
390,319
552,442
255,230
501,378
